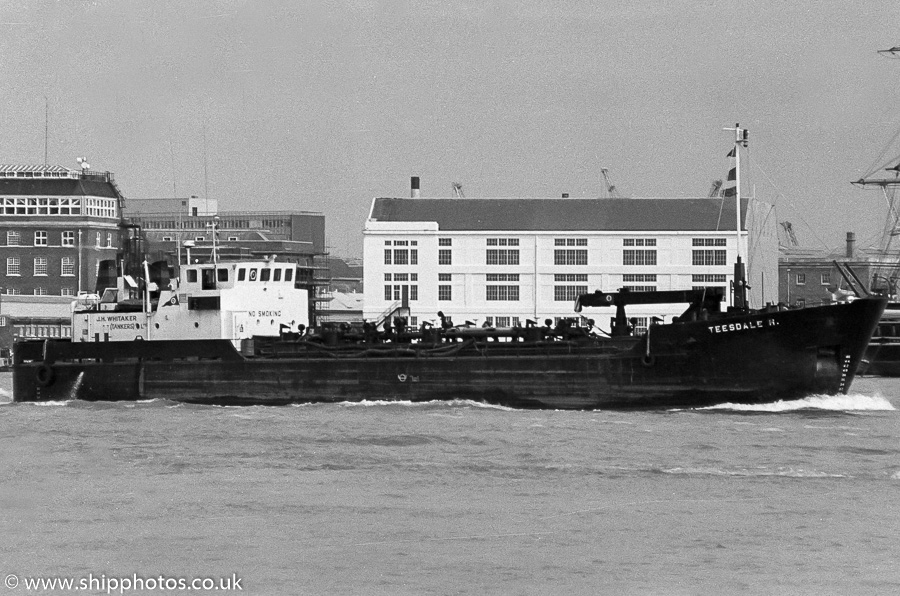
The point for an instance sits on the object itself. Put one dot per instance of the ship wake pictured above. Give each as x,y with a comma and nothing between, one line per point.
835,403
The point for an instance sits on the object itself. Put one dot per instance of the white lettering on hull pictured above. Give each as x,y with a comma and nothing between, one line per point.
745,326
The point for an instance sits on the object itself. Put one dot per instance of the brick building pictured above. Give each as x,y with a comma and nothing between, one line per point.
811,277
56,226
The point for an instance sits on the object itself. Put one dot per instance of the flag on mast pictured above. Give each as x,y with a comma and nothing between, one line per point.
731,184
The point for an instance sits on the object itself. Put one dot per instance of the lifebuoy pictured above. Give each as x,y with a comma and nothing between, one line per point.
648,360
44,375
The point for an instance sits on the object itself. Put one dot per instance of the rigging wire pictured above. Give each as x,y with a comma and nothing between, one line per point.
780,194
880,162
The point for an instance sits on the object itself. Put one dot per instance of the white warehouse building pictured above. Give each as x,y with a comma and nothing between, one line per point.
500,262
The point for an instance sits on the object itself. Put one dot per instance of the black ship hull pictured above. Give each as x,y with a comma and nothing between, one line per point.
746,358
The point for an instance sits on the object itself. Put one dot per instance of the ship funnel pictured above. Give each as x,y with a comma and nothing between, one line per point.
414,187
851,245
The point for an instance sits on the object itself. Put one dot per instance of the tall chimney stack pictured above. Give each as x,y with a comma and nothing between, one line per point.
414,187
851,245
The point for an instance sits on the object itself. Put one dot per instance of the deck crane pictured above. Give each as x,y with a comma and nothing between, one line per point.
611,192
715,191
457,190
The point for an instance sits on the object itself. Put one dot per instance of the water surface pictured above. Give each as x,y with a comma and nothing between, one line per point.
459,498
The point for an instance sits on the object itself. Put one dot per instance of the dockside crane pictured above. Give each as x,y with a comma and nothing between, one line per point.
611,192
789,231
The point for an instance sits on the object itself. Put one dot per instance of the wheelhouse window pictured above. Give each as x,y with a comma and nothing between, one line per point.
209,279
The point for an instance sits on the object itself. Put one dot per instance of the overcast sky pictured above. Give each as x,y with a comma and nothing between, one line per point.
285,104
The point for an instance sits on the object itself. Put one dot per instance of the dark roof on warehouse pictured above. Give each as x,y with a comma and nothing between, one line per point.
58,187
563,214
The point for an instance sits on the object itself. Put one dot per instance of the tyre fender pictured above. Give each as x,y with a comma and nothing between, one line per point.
44,375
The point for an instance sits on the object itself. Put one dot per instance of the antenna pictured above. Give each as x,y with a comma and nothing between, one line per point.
85,166
205,170
46,128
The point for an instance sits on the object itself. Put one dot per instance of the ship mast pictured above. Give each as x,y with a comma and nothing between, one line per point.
884,183
740,273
